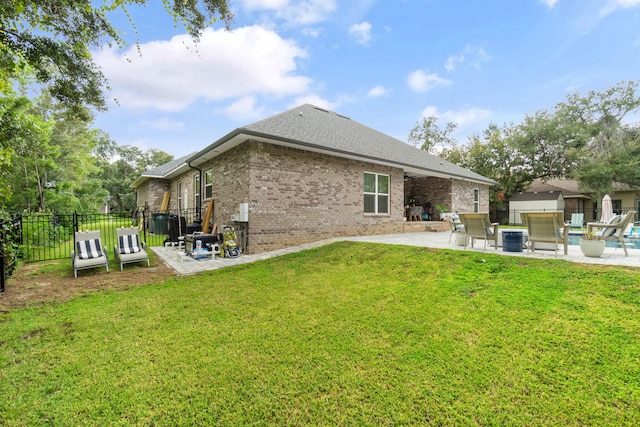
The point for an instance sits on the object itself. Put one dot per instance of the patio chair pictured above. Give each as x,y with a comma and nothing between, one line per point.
577,220
89,252
614,229
479,226
455,224
415,213
129,248
547,227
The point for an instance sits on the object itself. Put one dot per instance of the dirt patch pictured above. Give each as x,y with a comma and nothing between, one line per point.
52,282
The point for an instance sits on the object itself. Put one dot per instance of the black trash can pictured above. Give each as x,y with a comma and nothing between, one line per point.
512,241
160,223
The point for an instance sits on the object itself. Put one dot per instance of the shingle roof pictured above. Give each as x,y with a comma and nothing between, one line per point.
310,127
530,196
167,168
163,171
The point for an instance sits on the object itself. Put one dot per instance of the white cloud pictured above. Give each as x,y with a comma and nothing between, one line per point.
244,109
309,11
627,3
453,61
378,91
550,3
311,32
316,100
420,81
476,56
463,118
361,32
612,6
298,13
164,123
171,75
264,4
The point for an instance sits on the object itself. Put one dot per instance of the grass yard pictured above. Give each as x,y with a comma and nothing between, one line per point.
346,334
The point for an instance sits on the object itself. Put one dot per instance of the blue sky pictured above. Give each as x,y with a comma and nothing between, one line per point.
382,63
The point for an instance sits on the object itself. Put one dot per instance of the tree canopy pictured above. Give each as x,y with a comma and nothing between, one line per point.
583,137
53,39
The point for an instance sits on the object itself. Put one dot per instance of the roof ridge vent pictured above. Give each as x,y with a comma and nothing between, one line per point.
320,109
344,117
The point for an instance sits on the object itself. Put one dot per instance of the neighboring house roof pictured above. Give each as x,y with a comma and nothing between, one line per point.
314,129
566,186
570,187
166,171
536,196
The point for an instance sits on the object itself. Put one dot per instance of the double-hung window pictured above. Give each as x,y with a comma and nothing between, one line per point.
196,192
208,184
476,200
376,193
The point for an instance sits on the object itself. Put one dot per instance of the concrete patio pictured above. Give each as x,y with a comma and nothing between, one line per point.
184,265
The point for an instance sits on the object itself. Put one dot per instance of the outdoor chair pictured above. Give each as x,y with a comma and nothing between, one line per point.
614,229
479,226
129,248
89,252
547,227
455,224
577,220
415,213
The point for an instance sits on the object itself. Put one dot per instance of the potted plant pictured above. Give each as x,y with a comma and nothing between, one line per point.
591,245
441,211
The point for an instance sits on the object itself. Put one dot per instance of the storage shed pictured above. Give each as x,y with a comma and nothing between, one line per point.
534,202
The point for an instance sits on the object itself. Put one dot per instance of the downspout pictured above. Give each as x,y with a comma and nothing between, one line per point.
200,175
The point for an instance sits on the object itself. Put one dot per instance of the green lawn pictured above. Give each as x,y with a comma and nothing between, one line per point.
346,334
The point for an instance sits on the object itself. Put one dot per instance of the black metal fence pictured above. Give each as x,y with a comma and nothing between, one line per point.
43,237
588,215
10,243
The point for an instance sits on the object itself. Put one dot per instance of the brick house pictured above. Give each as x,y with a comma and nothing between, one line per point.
307,174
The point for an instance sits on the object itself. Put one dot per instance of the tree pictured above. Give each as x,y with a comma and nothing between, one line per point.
428,136
609,148
120,166
52,167
28,136
582,138
53,38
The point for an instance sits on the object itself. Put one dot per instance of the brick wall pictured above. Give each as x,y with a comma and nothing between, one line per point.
296,196
455,195
152,192
299,197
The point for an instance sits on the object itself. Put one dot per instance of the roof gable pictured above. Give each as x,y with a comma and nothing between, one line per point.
164,171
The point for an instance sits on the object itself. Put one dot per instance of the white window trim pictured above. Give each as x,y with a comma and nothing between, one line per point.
197,186
476,200
208,185
376,194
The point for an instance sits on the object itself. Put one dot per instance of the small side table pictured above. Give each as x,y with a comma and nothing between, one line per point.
512,241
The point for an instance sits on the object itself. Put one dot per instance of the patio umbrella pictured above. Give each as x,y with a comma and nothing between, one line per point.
607,209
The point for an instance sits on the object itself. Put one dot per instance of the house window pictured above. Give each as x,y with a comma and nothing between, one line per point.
617,206
476,200
208,184
376,193
196,193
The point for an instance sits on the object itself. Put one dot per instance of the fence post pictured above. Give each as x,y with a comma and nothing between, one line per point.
2,242
144,225
1,271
